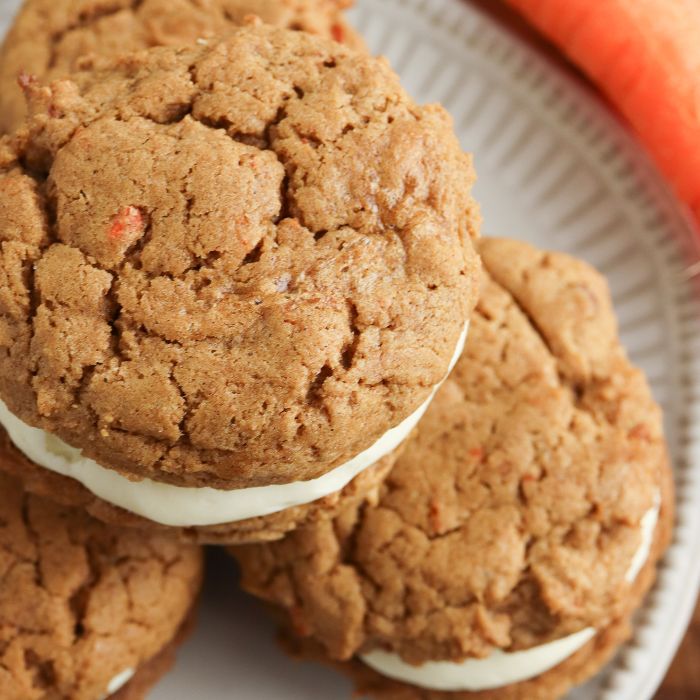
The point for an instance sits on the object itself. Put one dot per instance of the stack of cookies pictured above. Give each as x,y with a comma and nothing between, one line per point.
244,302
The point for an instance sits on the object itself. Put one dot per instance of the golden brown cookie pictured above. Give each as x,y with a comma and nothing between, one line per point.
238,265
86,610
50,37
528,512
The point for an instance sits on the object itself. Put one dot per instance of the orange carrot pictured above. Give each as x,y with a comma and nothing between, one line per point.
645,56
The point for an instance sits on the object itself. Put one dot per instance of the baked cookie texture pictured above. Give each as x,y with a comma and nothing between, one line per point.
234,264
513,515
69,492
50,37
80,603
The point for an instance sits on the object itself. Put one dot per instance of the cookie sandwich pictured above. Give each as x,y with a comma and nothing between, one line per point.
232,278
521,527
86,611
49,38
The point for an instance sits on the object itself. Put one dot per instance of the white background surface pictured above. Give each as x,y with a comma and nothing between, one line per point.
557,170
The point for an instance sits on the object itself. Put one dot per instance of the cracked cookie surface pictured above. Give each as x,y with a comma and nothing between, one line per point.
80,603
513,515
50,37
231,265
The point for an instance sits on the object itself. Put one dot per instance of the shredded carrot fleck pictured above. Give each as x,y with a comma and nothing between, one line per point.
640,432
26,80
435,516
476,453
128,220
338,33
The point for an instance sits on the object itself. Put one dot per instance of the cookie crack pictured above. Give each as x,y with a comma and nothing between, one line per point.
85,19
35,300
184,438
78,601
349,350
33,537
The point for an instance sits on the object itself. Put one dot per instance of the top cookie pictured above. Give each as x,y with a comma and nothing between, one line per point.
231,265
49,37
513,518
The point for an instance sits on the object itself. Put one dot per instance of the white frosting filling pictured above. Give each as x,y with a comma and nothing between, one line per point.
648,527
495,671
504,668
179,506
118,682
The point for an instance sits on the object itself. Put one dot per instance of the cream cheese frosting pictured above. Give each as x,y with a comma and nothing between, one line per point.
178,506
495,671
505,668
118,682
